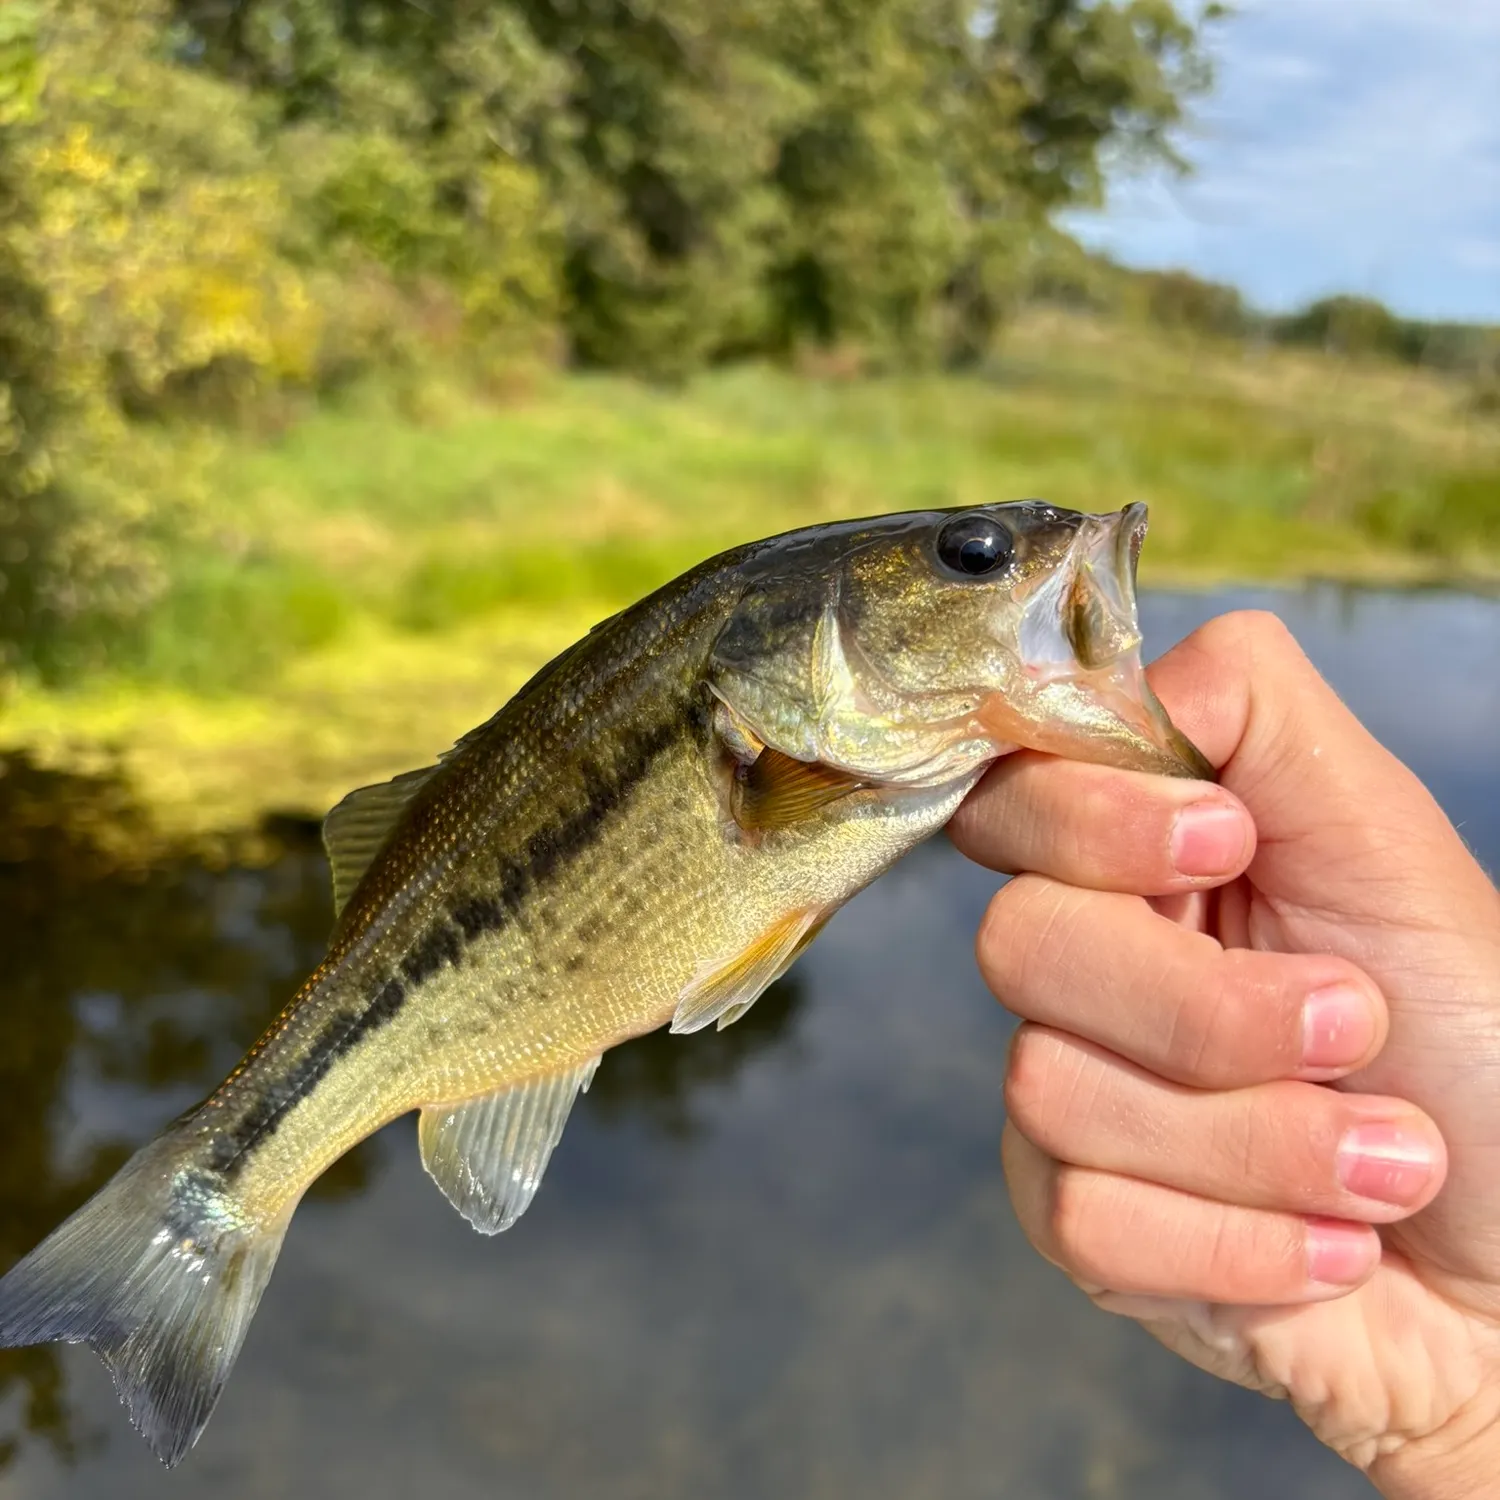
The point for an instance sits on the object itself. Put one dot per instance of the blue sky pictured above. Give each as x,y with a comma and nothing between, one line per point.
1350,145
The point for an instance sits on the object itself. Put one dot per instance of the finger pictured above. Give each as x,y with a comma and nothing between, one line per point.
1243,691
1119,1234
1107,968
1295,1147
1106,829
1356,858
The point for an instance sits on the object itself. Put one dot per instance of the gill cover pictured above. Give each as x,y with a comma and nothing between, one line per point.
790,671
868,649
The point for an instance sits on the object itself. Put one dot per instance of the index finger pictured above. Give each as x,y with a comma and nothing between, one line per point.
1102,828
1241,689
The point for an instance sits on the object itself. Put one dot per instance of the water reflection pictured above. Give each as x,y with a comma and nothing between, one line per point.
130,993
776,1260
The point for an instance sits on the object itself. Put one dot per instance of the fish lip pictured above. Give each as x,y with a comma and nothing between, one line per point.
1081,638
1131,537
1133,700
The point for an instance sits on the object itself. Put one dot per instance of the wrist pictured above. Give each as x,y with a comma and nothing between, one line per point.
1459,1462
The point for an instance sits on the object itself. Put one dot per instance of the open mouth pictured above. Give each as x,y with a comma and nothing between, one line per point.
1081,644
1099,611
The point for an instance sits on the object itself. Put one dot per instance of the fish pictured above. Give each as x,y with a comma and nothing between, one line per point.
647,834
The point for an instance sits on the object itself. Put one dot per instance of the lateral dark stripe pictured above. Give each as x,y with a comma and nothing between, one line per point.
472,915
231,1148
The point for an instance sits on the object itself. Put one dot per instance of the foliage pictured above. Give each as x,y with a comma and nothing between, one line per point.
1353,327
381,512
216,216
207,206
1175,299
404,556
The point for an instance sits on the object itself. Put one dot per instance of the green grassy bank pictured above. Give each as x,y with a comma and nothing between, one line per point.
377,574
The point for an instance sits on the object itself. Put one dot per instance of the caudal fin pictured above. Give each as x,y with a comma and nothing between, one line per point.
160,1274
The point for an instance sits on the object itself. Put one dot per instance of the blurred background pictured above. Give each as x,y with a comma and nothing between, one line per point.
357,355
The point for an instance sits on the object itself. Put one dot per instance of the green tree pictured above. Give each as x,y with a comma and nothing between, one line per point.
722,179
201,203
29,398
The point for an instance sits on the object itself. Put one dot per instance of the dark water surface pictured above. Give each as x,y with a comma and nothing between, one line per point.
773,1263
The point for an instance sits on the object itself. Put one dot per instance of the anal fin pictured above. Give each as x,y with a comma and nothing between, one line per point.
488,1154
724,989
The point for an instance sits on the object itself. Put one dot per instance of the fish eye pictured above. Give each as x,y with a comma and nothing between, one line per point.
974,546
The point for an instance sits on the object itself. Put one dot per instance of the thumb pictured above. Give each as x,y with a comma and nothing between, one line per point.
1346,831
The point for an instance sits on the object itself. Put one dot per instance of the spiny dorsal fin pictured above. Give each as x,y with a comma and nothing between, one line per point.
779,792
355,830
488,1155
724,989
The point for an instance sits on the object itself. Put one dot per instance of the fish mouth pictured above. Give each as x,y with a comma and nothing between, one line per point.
1080,648
1099,609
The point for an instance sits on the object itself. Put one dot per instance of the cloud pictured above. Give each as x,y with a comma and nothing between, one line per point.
1351,144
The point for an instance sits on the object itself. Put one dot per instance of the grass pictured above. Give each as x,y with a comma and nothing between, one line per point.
380,575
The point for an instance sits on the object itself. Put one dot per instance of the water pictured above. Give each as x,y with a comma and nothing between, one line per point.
778,1261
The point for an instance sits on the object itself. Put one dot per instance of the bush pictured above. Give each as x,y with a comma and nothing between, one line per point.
1178,299
206,207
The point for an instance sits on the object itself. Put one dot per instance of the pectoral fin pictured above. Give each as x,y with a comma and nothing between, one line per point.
724,989
779,792
488,1155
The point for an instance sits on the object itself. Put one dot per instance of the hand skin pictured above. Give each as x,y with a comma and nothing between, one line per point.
1185,1128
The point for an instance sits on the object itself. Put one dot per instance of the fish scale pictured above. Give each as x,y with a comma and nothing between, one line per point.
648,833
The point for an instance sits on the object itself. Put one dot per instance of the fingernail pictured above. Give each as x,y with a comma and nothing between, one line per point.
1385,1162
1208,839
1340,1254
1338,1027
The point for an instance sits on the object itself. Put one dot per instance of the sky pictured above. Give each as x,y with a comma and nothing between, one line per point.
1349,145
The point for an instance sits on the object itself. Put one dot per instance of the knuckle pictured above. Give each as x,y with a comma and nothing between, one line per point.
1194,1046
1274,1246
1254,633
991,944
1245,1254
1267,1150
1015,932
1241,1026
1107,829
1227,1247
1235,1143
1074,1224
970,828
1035,1079
1025,1081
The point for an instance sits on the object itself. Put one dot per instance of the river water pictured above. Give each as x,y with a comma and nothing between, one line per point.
777,1262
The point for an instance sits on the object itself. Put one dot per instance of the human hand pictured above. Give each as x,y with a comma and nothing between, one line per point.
1245,1072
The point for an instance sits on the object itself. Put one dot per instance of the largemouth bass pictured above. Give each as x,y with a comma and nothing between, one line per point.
647,834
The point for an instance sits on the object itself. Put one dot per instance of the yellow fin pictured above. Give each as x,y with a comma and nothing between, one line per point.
488,1154
779,792
355,830
739,1008
724,989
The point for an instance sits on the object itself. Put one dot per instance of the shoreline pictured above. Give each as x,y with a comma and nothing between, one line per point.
226,777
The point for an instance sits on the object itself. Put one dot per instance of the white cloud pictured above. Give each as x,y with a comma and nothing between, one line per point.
1351,144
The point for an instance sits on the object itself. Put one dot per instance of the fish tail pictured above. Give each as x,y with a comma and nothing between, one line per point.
160,1272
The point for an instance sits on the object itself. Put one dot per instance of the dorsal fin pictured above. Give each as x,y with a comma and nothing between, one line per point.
355,830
